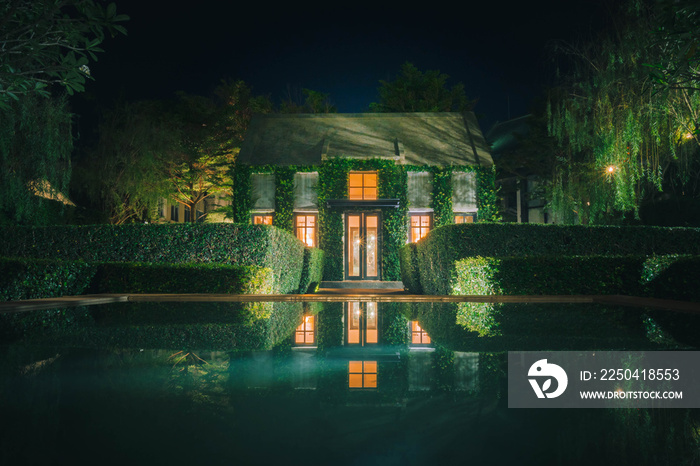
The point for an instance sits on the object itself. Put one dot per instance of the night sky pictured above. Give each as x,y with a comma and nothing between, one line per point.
497,49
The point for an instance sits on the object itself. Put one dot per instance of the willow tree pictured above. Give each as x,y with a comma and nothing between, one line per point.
35,148
620,141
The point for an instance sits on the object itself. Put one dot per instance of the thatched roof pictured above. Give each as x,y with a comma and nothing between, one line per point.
437,139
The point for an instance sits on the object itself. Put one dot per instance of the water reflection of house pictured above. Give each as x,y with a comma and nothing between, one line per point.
365,360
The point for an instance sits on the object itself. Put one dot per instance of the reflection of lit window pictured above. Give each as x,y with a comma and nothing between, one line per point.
362,374
262,219
305,226
304,334
464,218
363,323
362,185
420,226
418,335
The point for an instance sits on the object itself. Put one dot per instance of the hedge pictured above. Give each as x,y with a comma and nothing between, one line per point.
223,243
312,272
439,252
410,271
135,277
34,279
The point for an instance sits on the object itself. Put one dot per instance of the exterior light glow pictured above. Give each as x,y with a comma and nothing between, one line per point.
610,169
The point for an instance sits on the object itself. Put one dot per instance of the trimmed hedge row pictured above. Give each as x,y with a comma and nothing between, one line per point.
312,272
672,277
436,256
232,244
135,277
33,279
22,279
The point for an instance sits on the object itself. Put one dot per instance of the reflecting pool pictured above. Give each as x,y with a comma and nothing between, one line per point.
321,383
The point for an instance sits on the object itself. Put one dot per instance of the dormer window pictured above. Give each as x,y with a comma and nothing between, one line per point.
362,186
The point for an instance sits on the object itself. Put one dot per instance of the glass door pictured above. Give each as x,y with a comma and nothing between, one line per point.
362,246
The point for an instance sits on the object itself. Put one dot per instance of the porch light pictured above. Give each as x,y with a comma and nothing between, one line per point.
610,169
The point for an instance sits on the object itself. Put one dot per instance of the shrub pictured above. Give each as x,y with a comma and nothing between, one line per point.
222,243
410,271
566,275
134,277
438,254
35,279
312,271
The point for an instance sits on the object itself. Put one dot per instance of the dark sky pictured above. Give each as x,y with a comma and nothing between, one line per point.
497,49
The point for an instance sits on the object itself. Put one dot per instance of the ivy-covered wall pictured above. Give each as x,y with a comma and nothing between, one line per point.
333,184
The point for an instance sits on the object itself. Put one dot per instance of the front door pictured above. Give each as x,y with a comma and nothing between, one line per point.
362,246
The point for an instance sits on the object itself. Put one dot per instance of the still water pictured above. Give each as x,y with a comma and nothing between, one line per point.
320,383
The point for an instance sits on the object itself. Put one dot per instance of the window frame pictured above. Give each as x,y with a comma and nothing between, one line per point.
262,215
411,239
297,228
363,187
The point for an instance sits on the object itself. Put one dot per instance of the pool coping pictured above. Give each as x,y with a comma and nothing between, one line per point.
362,295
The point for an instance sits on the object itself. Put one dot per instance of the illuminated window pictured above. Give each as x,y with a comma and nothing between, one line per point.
262,219
305,333
305,227
362,374
362,185
418,335
420,226
464,218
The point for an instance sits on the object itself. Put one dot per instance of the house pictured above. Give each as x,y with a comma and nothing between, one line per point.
360,186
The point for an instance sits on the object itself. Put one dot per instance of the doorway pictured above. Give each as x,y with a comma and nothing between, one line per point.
362,246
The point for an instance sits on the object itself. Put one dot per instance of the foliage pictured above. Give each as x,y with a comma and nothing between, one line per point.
333,184
223,243
132,137
678,66
620,140
308,101
439,253
36,279
135,277
538,275
35,149
312,272
410,272
415,91
48,42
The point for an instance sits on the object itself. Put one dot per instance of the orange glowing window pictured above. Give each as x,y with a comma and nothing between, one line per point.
464,218
418,335
305,227
420,226
362,185
362,374
305,333
262,219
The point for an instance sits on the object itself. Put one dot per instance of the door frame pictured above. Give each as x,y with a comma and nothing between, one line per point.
363,255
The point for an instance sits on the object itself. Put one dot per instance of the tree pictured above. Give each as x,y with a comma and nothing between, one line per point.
209,135
678,37
619,140
415,91
120,176
308,102
35,148
47,42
